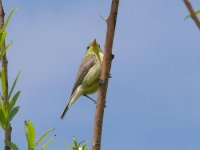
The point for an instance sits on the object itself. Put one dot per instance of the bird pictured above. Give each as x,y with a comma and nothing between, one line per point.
88,76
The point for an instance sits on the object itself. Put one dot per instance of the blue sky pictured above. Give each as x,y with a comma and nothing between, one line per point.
153,97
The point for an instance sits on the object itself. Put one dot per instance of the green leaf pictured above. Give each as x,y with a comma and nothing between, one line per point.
2,39
197,12
14,83
48,142
5,111
1,104
43,136
3,81
30,134
84,147
5,50
13,112
68,145
2,119
8,19
13,101
3,116
11,145
75,142
188,16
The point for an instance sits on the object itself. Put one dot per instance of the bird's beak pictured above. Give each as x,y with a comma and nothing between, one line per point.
94,43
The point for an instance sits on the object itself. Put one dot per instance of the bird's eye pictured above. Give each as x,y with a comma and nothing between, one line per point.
99,46
88,47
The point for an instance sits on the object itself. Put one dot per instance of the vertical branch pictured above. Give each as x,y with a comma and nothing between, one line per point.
106,66
4,63
192,12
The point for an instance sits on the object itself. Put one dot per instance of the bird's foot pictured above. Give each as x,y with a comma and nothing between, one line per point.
101,81
90,98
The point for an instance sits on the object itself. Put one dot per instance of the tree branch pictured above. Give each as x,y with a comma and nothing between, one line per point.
4,63
106,66
192,12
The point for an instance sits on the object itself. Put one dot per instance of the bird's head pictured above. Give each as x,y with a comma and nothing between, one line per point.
93,47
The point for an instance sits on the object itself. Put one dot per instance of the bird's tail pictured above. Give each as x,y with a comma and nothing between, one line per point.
78,92
65,110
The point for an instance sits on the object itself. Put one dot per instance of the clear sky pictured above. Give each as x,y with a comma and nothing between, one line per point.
153,100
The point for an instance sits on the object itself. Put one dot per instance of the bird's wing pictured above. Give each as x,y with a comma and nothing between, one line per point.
85,66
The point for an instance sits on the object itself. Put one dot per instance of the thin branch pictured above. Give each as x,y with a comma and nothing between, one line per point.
103,18
192,12
106,66
4,63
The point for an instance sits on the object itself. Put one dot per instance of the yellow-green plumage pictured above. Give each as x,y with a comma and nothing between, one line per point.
88,75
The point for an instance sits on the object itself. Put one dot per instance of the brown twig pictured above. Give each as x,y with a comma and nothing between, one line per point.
4,63
192,12
106,66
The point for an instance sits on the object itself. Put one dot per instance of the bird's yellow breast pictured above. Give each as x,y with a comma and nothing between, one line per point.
90,82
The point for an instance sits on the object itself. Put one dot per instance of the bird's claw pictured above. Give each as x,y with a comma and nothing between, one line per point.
101,81
90,98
